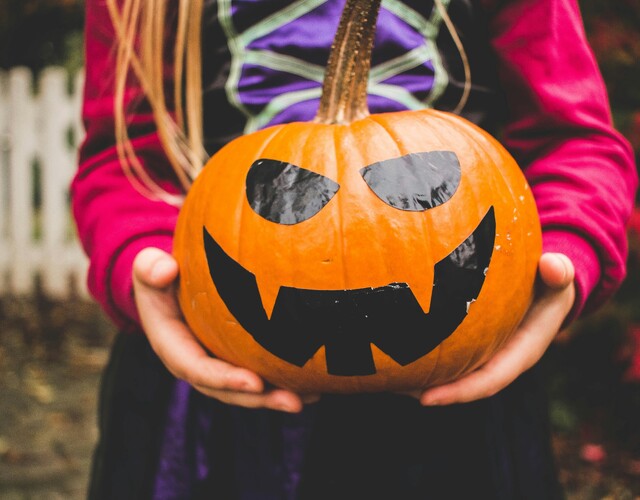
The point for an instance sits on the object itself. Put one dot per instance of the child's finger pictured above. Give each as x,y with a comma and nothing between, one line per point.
171,338
556,270
187,360
275,399
155,268
154,275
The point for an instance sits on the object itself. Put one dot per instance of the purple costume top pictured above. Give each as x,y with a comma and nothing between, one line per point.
535,83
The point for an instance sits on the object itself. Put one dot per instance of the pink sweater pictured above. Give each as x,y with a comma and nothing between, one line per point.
559,129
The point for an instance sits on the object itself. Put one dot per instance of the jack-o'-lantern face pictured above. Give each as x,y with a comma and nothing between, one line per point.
355,257
348,321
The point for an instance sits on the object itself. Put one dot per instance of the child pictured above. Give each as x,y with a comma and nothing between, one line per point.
224,434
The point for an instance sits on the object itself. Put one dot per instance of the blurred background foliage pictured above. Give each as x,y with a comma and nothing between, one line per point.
39,33
594,369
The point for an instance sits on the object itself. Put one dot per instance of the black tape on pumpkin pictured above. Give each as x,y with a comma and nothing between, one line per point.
285,193
347,322
415,182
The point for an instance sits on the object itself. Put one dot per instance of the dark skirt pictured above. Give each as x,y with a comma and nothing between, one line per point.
160,439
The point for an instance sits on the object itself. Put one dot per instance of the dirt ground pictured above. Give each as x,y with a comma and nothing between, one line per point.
51,357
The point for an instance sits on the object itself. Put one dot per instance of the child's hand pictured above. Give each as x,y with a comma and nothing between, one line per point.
154,283
537,330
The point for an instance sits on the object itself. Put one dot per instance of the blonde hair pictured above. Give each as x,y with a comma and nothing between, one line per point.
141,29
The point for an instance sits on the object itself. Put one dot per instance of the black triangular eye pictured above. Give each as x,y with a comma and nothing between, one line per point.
415,182
286,194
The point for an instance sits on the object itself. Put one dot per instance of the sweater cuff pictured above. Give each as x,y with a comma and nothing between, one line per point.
120,280
584,259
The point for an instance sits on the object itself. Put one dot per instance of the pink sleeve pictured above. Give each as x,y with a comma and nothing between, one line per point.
559,128
114,220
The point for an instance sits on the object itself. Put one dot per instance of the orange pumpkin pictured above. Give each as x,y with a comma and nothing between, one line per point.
358,252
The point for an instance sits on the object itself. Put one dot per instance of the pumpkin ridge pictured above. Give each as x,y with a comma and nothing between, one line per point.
381,249
476,358
378,119
293,257
496,152
309,146
474,139
341,236
245,209
206,188
428,117
428,380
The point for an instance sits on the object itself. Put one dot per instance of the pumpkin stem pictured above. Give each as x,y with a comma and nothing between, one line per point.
344,89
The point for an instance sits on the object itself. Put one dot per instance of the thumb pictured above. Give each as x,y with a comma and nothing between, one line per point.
556,270
154,268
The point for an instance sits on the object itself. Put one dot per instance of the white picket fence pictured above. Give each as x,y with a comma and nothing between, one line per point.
39,131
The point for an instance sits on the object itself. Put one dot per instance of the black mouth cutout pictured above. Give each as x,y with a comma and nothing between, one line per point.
347,322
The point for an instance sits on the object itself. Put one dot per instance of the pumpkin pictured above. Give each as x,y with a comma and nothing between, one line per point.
358,252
